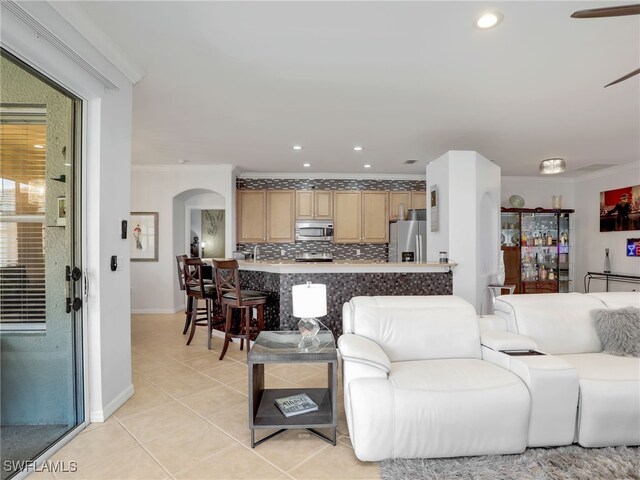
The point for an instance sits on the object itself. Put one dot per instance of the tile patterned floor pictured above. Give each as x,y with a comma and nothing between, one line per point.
188,419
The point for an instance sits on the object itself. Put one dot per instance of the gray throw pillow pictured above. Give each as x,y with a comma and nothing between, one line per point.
619,330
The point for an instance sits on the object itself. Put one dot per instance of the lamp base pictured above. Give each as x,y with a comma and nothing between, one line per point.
309,328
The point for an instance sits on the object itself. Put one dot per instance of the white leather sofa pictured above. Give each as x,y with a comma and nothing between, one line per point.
415,384
578,392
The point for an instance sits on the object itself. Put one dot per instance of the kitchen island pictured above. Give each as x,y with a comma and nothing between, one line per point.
344,280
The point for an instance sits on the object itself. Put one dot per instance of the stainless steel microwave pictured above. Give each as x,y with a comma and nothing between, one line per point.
314,230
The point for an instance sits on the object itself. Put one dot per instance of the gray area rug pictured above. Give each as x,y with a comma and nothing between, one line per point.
562,463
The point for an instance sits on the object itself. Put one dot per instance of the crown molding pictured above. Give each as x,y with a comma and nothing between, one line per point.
90,30
230,169
333,176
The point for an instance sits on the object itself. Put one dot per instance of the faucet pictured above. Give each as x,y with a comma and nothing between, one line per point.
255,253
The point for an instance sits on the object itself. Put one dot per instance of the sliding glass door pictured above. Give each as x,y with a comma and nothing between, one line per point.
41,274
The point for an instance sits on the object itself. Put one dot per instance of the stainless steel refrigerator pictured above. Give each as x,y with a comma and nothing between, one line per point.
408,236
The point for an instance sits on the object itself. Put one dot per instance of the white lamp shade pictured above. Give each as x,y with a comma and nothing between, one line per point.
310,300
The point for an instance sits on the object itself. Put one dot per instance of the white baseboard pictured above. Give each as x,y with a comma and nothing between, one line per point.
155,311
107,411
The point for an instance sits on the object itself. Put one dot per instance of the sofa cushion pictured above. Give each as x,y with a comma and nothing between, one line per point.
439,408
416,327
619,330
559,322
617,299
609,408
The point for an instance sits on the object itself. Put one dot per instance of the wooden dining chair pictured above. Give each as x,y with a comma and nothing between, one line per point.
230,297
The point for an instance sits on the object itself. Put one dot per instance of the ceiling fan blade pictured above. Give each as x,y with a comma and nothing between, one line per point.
633,9
628,75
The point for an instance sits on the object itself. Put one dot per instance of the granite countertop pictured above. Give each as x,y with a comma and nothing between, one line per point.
342,266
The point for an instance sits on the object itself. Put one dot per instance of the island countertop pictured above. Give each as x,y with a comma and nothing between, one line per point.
343,266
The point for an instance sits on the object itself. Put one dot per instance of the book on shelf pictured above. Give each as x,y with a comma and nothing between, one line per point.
296,405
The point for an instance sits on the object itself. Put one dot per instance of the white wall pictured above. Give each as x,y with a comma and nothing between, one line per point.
166,190
537,191
106,163
590,242
469,212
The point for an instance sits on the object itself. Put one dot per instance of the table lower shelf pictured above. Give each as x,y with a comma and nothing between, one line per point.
269,416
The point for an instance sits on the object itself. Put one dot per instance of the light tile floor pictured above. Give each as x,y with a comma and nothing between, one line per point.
188,419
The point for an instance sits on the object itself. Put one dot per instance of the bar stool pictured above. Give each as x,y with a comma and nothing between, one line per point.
230,296
190,300
197,288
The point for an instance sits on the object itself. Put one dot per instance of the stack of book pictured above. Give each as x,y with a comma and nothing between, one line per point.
296,405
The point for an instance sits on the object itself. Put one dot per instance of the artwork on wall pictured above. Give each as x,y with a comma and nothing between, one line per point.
433,204
144,237
633,247
212,230
61,217
620,209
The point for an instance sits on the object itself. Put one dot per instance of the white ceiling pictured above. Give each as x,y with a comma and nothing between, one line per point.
241,82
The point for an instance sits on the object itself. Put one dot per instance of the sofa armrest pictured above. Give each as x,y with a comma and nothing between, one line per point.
499,341
357,349
492,323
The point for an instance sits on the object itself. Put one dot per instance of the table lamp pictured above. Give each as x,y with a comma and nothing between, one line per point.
309,302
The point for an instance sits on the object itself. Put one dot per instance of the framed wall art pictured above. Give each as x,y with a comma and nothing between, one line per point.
143,241
620,209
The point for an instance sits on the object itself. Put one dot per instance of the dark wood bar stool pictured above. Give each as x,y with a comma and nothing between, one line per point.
230,296
197,288
208,279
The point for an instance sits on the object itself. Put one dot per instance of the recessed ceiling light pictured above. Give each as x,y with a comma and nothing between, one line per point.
367,165
410,162
38,146
358,148
306,164
489,19
297,147
181,161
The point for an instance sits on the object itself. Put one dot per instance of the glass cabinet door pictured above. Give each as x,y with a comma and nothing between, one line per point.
564,276
539,252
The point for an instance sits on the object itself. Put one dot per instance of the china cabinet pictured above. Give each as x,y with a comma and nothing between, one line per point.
537,249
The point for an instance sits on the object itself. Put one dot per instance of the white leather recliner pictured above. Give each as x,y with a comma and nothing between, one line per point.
561,325
415,384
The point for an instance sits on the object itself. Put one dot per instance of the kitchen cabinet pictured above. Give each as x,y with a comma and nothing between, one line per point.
395,199
418,199
281,216
361,217
347,214
375,217
536,245
314,204
251,216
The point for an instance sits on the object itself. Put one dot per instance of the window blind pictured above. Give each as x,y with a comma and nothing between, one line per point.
22,209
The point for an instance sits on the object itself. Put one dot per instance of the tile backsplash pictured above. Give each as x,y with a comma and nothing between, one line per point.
340,251
328,184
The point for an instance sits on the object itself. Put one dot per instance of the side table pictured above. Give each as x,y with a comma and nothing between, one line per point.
282,347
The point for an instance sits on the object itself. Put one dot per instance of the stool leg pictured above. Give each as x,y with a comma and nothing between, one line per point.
248,329
260,318
187,319
194,316
209,322
243,319
227,329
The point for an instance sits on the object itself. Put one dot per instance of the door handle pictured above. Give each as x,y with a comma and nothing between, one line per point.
72,275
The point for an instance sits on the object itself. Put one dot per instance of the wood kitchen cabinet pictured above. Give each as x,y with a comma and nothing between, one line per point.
346,216
395,199
251,216
361,217
314,204
281,216
418,199
375,217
